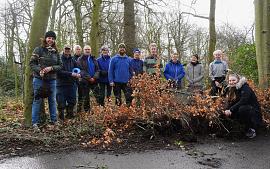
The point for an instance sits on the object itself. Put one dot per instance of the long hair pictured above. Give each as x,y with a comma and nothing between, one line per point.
232,89
44,44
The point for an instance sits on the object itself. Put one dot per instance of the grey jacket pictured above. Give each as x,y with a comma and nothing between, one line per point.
217,69
194,74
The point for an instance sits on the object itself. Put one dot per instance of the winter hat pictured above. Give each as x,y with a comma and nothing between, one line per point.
104,47
136,50
121,45
50,34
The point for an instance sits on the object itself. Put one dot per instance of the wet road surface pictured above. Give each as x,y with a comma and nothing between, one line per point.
244,154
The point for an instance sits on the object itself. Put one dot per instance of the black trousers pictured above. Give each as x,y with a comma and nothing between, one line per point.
118,87
105,88
248,116
85,91
214,89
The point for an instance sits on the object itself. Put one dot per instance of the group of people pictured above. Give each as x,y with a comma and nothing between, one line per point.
66,78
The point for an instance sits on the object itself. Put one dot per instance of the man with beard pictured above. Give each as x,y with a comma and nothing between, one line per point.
243,105
120,74
90,74
194,74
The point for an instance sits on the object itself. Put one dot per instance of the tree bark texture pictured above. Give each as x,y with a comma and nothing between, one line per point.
38,28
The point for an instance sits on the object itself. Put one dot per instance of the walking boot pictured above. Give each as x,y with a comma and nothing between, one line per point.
61,114
70,112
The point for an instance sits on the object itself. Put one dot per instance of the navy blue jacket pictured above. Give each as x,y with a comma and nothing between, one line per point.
120,69
103,64
174,71
64,75
136,66
85,72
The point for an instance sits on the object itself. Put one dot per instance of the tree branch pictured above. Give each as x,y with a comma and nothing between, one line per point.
194,15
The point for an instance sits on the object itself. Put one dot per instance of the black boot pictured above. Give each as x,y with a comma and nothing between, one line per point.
70,112
61,114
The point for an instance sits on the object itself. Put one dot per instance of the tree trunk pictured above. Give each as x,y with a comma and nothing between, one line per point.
129,26
38,27
94,34
266,42
53,14
78,20
212,31
11,53
261,33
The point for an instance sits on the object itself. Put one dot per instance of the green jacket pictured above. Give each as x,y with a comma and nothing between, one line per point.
44,57
150,65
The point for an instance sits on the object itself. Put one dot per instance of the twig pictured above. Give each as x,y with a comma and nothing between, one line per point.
140,127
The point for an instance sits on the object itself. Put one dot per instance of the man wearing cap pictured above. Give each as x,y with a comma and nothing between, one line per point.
66,85
45,62
152,63
90,73
120,74
136,62
103,63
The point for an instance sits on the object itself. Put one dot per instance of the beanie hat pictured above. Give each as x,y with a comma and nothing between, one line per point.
136,50
50,34
121,45
104,47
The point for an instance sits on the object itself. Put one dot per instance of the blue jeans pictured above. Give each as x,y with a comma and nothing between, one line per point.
66,95
37,84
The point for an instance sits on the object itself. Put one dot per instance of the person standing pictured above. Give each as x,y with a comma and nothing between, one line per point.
194,74
66,85
174,71
104,85
77,52
89,76
136,62
217,73
151,64
77,49
45,62
120,74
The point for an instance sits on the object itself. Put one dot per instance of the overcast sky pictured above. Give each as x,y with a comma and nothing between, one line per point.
239,13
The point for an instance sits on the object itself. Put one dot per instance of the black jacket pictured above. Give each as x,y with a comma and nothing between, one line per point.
245,96
64,75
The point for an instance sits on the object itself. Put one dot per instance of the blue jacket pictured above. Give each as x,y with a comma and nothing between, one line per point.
136,66
120,69
64,75
103,64
174,71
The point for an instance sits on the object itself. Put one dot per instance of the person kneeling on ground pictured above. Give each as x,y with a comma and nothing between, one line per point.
243,104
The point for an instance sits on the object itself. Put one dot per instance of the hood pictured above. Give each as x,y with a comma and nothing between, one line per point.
241,82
